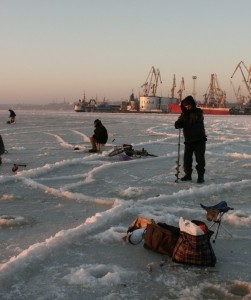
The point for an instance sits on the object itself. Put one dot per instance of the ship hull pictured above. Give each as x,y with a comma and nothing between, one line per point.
175,109
153,104
79,108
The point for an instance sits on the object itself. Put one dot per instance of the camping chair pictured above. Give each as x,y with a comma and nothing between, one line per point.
215,214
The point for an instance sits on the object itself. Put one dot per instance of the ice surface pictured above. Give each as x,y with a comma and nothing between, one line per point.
62,218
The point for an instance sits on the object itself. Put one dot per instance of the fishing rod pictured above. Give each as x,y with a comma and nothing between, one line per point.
178,161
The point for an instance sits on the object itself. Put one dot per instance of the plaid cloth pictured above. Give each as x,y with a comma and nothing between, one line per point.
194,250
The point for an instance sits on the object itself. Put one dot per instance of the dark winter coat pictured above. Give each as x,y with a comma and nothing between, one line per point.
192,122
100,133
12,113
2,148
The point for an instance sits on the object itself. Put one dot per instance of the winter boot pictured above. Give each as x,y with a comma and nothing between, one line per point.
200,178
93,150
187,177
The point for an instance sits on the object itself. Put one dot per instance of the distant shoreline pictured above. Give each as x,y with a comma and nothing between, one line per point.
50,106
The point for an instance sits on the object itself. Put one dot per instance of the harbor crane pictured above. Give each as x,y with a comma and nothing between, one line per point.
173,87
246,78
214,96
239,98
152,81
181,90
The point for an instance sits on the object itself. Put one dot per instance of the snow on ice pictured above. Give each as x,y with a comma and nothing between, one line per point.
63,216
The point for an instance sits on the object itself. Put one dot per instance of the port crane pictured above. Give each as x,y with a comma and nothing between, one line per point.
173,86
181,90
246,78
239,98
152,81
214,96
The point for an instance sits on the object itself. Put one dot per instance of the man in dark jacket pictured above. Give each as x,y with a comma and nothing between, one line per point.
100,136
192,122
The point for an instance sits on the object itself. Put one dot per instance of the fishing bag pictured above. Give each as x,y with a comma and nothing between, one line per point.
195,249
161,238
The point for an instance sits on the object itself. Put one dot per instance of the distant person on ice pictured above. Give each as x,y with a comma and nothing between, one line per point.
192,122
100,136
12,116
2,149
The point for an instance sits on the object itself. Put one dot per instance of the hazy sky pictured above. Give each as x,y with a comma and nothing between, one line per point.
55,50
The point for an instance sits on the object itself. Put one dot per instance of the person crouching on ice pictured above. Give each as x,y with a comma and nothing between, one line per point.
12,116
100,136
192,122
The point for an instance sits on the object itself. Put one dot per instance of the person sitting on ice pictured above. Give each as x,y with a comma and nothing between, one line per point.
100,136
12,116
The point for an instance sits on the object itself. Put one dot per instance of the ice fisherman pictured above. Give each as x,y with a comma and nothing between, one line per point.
2,149
100,136
192,122
12,116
